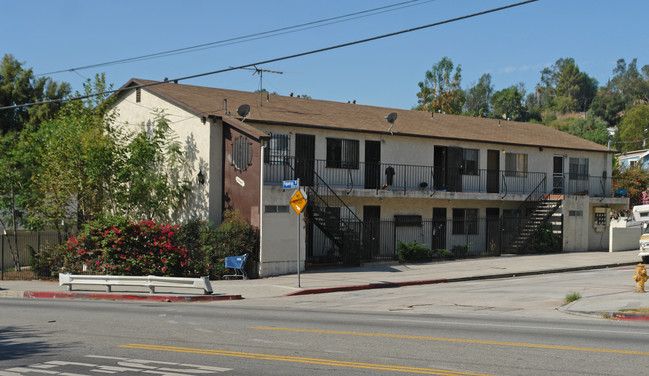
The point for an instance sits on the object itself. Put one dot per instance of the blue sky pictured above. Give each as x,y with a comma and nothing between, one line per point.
513,45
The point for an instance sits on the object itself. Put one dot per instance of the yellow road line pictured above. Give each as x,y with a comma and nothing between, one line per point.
459,340
337,363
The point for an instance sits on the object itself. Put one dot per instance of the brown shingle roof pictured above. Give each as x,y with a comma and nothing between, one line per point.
206,101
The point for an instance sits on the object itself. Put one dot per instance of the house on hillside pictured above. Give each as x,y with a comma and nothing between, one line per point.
376,176
634,158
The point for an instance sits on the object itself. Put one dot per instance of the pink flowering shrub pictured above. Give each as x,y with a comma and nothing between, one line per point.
121,247
635,181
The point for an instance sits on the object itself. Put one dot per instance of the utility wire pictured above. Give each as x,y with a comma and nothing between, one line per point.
250,37
278,58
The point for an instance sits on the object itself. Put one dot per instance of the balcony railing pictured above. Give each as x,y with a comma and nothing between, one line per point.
594,186
402,177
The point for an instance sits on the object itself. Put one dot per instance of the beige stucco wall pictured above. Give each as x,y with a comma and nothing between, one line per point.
278,250
200,141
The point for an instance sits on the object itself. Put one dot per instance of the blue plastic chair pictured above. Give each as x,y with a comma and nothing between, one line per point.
236,263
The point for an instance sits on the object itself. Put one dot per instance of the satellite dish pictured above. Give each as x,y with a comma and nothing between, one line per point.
243,111
391,118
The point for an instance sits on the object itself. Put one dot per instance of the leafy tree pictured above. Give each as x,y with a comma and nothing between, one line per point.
19,86
564,88
478,96
441,90
629,83
634,127
507,103
89,167
591,128
608,105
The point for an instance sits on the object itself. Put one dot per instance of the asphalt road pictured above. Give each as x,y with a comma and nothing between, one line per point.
322,335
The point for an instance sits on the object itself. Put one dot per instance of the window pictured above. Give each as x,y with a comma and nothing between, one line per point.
276,152
515,164
138,95
342,153
276,209
241,153
465,221
470,161
407,220
578,168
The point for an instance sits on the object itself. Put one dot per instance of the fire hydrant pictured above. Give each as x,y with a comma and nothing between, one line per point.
640,277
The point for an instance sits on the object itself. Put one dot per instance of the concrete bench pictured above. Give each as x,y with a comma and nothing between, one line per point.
150,281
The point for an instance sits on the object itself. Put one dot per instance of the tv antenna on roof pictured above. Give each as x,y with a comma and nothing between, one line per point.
391,118
261,79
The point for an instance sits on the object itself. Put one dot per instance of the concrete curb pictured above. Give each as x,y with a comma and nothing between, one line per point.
370,286
384,285
131,297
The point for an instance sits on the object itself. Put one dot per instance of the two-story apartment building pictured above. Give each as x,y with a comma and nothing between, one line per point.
375,176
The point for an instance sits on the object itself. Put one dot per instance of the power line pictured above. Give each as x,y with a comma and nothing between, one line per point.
279,58
250,37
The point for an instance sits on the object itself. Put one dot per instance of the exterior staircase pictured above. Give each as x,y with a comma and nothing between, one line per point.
539,215
537,209
329,213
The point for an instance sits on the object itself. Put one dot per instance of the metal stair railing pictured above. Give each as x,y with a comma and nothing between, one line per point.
346,233
526,225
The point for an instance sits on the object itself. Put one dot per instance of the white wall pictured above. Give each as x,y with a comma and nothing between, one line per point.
279,235
201,142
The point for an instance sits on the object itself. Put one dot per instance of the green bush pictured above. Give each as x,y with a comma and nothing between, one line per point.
121,247
443,254
413,252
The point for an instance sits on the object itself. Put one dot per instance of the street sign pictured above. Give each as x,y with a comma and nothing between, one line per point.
290,184
297,202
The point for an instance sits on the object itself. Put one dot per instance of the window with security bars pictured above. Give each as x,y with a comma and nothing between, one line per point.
342,153
241,153
465,221
578,168
515,164
277,149
470,161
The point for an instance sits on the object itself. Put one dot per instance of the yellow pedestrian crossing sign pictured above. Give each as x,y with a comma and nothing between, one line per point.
297,202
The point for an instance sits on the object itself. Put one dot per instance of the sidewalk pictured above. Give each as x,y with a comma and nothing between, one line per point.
369,276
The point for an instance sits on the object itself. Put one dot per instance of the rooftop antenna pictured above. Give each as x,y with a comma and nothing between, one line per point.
243,111
261,78
391,118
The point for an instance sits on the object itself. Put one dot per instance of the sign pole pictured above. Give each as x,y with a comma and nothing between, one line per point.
298,240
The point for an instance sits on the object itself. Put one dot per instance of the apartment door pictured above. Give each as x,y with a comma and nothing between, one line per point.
454,161
439,229
493,171
439,167
372,233
304,158
372,164
493,231
557,175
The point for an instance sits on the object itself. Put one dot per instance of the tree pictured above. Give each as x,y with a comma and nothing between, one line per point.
508,104
608,105
591,128
478,96
89,166
634,128
441,90
564,88
629,83
19,86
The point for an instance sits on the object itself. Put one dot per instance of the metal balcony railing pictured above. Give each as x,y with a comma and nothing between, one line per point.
403,177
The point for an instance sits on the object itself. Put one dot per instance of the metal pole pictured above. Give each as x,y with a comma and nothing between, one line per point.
298,241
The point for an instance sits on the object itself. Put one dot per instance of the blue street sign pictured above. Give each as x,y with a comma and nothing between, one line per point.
290,184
